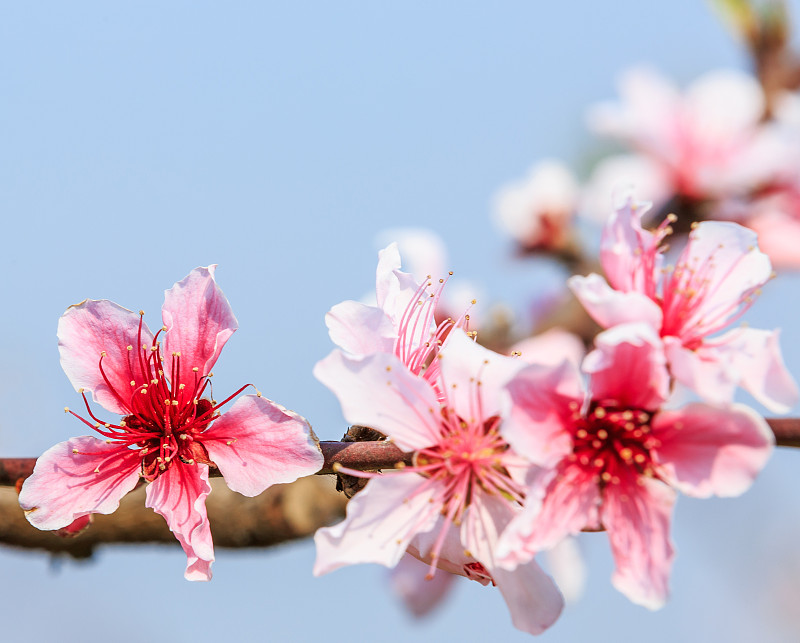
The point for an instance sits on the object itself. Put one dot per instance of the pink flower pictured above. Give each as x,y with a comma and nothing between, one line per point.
538,211
403,323
171,430
708,140
713,282
450,507
617,457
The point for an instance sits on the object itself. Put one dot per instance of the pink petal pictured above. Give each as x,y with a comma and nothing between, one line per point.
90,328
568,569
199,321
706,370
733,268
179,494
360,329
66,485
258,443
708,451
419,593
551,347
543,400
779,236
637,516
473,376
628,366
609,307
755,355
628,252
380,392
569,505
532,598
381,522
394,288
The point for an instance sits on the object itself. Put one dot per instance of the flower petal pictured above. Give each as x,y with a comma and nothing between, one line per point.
179,494
419,593
629,253
381,522
723,263
551,347
531,595
609,307
637,516
360,329
379,391
569,505
705,370
91,328
628,366
199,321
473,376
66,485
258,443
542,401
394,288
568,569
755,355
708,451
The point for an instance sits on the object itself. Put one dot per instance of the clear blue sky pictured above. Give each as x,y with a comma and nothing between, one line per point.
138,142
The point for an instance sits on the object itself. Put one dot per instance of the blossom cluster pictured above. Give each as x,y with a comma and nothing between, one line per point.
720,149
511,456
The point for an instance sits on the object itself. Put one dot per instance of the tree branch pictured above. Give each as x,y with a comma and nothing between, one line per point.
282,513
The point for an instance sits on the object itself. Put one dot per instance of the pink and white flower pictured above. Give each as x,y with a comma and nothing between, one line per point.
616,457
403,323
713,282
464,487
171,431
708,141
538,211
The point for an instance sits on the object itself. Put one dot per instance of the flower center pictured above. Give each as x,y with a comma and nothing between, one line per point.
614,443
167,416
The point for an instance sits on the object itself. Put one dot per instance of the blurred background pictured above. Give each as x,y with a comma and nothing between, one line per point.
280,142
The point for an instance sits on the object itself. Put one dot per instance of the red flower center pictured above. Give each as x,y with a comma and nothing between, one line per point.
167,416
614,443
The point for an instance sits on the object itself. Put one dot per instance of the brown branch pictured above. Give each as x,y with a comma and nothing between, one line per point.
371,456
280,514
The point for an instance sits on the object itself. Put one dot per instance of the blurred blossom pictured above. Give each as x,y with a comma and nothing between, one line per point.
537,211
551,348
614,177
566,565
420,593
708,139
773,210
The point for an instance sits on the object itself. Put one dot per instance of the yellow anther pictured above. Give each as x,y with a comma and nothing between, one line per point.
129,347
75,451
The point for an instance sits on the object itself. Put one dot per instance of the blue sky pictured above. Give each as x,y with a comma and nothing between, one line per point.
140,141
